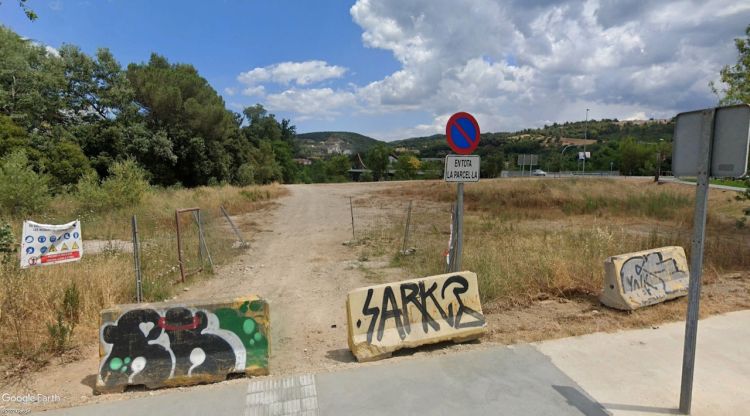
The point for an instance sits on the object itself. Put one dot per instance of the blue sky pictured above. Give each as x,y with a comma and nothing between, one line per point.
399,68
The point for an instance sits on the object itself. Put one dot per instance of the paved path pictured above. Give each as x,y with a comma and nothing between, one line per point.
625,373
710,185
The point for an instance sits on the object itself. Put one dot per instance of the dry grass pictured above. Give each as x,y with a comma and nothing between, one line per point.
30,298
529,239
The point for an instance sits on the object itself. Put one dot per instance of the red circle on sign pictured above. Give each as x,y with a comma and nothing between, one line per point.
472,141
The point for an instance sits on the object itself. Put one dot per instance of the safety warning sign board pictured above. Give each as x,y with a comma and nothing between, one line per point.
44,244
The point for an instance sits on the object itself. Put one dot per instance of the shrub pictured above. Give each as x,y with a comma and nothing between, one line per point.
7,241
245,175
22,191
125,187
61,332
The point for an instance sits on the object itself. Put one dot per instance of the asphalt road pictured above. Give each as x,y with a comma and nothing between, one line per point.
626,373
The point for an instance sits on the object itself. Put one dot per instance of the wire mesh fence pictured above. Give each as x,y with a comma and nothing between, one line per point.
397,228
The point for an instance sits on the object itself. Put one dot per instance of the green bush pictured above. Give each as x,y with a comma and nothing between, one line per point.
7,243
125,187
245,175
22,191
68,314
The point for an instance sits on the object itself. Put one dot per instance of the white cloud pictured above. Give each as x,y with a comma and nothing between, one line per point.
301,73
522,63
518,63
313,102
254,91
230,91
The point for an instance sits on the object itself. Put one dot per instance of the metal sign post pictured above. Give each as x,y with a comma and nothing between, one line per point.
712,142
462,135
696,262
456,262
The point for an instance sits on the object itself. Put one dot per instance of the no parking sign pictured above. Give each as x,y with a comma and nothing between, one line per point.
462,133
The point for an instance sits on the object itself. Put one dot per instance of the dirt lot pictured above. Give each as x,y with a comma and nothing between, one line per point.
299,263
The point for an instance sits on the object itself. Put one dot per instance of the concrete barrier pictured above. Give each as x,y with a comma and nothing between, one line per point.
182,343
388,317
644,278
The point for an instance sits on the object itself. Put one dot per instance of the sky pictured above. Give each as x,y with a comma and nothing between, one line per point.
393,69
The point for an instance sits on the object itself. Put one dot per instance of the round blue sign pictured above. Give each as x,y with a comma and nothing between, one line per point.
75,235
42,239
30,250
462,133
66,236
52,238
43,250
29,239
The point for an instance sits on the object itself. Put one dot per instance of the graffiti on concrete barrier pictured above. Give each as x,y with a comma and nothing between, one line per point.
396,306
649,272
150,346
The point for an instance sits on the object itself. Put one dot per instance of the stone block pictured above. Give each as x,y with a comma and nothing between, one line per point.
388,317
182,342
644,278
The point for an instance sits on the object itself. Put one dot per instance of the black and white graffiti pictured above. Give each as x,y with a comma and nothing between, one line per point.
394,304
149,346
650,272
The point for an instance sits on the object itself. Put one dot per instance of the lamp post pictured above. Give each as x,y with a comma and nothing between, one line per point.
561,156
585,137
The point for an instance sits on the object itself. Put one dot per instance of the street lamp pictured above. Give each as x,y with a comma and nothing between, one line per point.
561,156
585,137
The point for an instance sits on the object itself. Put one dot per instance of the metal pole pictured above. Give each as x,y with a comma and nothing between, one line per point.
696,262
459,227
406,229
137,262
179,246
234,227
351,208
200,239
202,242
658,166
585,137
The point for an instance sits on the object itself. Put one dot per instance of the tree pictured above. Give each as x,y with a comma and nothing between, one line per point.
22,190
337,168
492,164
737,77
181,104
12,137
31,81
377,160
267,169
30,14
407,166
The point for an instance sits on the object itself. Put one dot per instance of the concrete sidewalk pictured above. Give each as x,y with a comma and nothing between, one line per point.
626,373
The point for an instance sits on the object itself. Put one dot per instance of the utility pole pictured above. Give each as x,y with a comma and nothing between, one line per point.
561,157
585,137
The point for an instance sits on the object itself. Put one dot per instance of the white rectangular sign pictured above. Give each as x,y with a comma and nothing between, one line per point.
461,168
731,138
44,244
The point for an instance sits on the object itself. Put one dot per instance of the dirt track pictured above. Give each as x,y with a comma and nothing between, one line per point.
301,267
298,263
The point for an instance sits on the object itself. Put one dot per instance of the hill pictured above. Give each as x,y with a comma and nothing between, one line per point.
321,143
551,136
